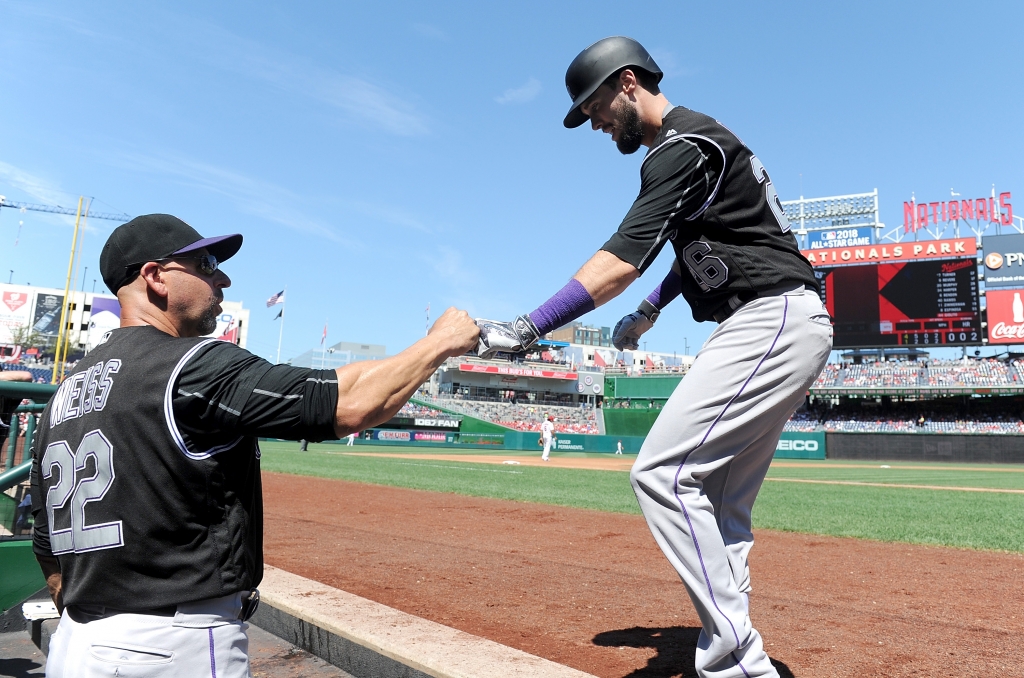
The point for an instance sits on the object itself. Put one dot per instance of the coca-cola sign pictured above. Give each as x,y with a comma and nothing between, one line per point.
1005,316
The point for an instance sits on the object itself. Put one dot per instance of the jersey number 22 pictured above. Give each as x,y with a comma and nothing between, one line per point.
80,537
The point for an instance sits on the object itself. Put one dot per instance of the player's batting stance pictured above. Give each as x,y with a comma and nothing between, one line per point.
737,264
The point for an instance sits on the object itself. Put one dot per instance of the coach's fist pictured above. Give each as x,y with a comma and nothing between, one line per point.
457,332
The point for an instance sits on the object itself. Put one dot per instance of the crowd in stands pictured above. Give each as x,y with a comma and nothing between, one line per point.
526,417
910,374
413,410
948,415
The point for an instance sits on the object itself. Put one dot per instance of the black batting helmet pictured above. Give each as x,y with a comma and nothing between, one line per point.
595,64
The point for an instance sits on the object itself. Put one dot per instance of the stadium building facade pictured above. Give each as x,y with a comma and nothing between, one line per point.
30,312
338,355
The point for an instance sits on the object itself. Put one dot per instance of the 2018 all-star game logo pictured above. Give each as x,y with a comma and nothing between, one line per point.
15,300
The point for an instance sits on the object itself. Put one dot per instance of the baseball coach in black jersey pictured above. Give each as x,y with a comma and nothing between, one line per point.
737,264
146,476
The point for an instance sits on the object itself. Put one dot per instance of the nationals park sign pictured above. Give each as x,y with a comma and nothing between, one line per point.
517,371
911,251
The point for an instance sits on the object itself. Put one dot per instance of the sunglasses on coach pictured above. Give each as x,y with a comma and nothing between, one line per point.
207,264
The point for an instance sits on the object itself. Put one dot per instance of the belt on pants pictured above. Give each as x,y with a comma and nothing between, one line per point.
83,614
736,301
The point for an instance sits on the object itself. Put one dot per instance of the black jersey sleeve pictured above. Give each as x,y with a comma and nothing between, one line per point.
225,390
677,182
40,519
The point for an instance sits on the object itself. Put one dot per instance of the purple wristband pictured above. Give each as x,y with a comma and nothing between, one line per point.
670,288
569,303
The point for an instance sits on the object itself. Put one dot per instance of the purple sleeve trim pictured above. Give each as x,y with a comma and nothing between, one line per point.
569,303
670,288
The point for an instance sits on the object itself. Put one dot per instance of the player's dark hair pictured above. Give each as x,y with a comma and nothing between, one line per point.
647,80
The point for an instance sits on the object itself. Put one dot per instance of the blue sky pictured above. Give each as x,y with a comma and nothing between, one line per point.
380,156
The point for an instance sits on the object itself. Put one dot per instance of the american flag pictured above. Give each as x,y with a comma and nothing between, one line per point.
276,299
324,337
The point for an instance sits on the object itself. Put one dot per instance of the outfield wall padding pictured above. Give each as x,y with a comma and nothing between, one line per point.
994,449
628,422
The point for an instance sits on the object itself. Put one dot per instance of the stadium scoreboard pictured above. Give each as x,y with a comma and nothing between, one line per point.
914,294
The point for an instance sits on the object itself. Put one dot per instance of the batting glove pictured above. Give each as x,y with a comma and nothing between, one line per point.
506,337
628,330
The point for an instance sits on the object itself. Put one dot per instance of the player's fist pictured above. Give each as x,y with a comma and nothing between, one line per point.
506,337
457,330
628,330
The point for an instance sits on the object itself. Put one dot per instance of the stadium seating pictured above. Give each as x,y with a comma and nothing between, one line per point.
525,417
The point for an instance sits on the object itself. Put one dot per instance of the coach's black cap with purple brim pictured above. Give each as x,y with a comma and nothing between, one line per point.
152,237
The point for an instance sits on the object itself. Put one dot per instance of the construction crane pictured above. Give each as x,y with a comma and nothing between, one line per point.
61,350
57,209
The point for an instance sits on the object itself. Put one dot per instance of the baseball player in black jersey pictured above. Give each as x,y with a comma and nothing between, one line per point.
737,264
146,477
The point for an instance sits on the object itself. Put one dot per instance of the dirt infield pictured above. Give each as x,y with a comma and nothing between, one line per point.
591,590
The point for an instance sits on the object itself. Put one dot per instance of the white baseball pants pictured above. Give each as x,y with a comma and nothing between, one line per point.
203,640
702,464
547,446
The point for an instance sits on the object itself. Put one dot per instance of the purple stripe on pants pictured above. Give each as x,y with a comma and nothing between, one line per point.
675,488
213,659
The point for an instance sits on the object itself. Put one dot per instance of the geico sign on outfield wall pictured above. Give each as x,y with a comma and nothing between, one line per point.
798,445
801,445
930,249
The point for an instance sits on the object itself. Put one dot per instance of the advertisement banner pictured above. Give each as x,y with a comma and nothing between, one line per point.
46,319
439,423
801,445
908,251
14,311
516,371
1005,316
1004,261
842,237
393,436
104,316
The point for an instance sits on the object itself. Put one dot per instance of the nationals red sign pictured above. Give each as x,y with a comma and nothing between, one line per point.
907,251
1005,316
15,300
517,371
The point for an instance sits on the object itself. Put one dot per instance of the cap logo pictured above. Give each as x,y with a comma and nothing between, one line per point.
670,133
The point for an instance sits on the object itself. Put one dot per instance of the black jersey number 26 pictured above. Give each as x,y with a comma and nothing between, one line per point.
769,193
80,537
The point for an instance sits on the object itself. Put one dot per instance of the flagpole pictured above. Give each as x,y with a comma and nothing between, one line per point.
323,346
426,330
280,334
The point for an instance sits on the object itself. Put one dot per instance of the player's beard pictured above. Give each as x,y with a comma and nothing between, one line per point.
208,320
631,130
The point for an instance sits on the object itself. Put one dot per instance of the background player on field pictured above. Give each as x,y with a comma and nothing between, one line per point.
736,263
546,431
146,475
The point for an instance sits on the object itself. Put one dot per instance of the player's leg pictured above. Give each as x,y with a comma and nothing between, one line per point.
63,650
709,420
547,448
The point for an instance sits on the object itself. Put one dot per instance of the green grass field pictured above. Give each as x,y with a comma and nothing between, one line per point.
978,520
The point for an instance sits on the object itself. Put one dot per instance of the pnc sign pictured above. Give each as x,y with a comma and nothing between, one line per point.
1004,260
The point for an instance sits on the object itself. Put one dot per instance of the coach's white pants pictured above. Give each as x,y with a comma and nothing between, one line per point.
702,464
204,640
